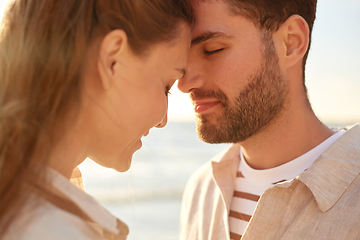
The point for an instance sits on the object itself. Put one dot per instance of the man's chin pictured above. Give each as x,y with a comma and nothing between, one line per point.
207,132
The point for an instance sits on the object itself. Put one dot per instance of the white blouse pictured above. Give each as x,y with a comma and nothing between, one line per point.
42,219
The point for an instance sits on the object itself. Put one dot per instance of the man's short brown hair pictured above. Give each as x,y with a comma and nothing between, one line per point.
268,15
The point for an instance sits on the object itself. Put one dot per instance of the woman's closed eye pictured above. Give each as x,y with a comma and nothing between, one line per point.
208,53
167,90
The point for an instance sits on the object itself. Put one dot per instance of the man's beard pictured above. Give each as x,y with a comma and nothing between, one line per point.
254,108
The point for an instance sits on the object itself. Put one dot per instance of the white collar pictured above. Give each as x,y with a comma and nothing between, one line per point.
84,201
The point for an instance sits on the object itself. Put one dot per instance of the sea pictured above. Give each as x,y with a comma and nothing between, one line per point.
148,196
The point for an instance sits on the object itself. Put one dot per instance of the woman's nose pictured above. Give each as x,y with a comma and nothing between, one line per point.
163,122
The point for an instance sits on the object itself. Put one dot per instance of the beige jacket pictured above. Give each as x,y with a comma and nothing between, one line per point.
321,203
47,218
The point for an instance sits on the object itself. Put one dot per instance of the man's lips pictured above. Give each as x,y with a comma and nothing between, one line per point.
202,106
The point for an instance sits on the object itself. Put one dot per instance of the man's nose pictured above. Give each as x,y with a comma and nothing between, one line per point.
163,122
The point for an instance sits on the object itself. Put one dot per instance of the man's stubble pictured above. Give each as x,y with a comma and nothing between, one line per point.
253,110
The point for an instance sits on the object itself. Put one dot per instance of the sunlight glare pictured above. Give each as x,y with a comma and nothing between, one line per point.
2,7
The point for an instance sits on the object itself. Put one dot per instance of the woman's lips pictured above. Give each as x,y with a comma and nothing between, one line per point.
201,107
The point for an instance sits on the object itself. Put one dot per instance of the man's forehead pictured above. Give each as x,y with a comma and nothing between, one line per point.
226,3
196,3
207,10
213,20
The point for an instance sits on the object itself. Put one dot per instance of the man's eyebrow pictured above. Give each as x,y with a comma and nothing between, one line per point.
209,35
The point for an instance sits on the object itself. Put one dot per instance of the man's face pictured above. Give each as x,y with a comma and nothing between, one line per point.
233,75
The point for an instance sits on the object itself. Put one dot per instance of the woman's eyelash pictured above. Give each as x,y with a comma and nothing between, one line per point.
208,53
167,91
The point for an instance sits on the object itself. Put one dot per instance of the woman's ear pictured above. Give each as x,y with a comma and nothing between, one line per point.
111,50
294,35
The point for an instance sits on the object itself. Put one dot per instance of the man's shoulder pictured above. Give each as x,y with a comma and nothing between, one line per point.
352,132
349,140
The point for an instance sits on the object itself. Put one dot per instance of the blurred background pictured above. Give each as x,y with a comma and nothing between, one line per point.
148,196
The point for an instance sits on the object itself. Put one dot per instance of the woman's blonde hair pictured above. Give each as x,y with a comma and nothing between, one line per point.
43,44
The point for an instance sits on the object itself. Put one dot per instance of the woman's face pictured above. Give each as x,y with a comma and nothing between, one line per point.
136,101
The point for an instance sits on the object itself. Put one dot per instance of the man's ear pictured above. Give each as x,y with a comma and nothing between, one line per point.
294,34
111,50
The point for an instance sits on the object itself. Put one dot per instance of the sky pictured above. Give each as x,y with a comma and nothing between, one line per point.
332,70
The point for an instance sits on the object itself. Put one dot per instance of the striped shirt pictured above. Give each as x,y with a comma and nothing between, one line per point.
252,183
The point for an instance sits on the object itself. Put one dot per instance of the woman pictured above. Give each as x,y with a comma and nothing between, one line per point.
79,79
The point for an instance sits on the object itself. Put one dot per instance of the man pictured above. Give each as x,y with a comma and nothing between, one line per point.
246,78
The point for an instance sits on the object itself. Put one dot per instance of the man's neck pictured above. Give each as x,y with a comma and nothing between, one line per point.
284,140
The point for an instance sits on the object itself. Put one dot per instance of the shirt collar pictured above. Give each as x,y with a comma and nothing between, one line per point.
85,202
224,169
335,169
327,178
